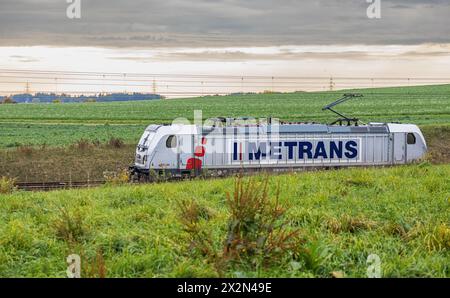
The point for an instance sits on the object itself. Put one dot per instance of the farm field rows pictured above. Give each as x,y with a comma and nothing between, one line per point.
13,135
62,124
342,217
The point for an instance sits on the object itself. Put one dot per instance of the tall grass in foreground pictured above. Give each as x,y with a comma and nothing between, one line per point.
339,218
257,234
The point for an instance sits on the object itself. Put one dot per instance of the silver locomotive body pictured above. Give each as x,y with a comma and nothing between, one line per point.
190,149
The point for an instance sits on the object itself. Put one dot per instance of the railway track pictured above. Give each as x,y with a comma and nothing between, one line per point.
46,186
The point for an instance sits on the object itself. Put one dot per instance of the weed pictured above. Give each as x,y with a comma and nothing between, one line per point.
362,180
69,226
7,185
397,229
116,178
94,268
17,235
25,150
152,175
314,255
256,228
116,143
436,238
82,144
192,212
349,224
257,235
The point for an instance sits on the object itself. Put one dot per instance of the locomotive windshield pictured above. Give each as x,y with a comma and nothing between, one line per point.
145,140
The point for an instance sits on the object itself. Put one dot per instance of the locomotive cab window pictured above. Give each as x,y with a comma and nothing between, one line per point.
171,141
410,139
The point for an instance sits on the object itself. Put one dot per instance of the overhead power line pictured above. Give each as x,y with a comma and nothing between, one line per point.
179,85
151,75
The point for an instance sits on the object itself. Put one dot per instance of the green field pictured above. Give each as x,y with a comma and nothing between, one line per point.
61,124
401,214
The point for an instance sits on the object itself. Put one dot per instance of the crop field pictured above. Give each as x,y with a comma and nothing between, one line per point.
62,124
13,135
327,223
401,214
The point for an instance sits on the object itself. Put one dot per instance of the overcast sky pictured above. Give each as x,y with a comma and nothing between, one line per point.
216,23
233,37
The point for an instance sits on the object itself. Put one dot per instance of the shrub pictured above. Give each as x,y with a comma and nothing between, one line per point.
256,236
69,226
83,144
256,227
200,240
115,143
94,268
16,235
116,178
7,185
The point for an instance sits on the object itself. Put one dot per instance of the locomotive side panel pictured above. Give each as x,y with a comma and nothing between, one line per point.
294,150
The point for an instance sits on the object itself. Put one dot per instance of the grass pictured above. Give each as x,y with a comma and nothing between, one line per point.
135,230
56,124
340,217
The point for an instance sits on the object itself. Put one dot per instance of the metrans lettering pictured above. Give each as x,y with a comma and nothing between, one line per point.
293,150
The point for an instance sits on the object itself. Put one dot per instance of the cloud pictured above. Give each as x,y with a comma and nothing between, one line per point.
291,53
222,23
24,59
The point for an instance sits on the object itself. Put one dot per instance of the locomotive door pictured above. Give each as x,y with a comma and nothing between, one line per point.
192,156
398,154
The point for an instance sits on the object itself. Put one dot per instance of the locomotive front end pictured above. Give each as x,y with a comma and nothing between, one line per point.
143,150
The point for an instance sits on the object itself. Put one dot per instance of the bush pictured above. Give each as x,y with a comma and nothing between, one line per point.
7,185
115,143
69,226
116,178
83,144
256,236
200,240
256,229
